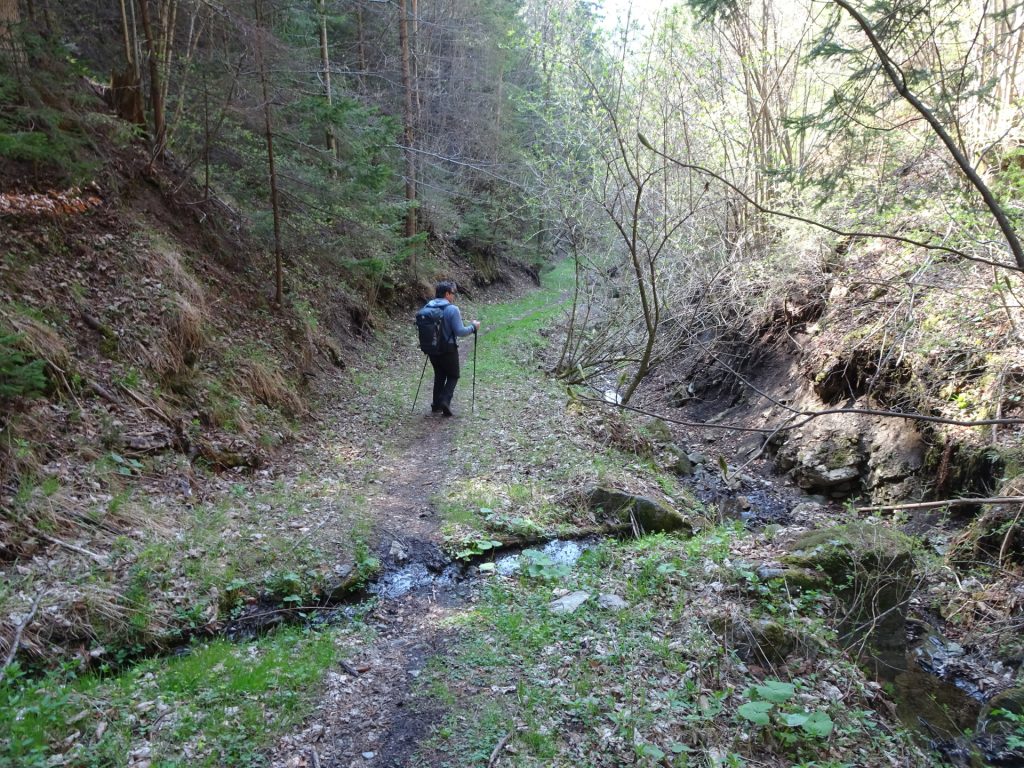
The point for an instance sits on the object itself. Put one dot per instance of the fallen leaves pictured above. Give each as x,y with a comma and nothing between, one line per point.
69,202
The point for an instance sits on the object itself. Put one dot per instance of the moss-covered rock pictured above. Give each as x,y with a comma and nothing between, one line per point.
804,579
1000,734
650,516
870,568
1011,699
679,462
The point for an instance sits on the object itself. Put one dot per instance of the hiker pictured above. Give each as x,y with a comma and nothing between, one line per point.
446,361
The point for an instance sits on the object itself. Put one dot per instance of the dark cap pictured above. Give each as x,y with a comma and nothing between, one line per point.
445,286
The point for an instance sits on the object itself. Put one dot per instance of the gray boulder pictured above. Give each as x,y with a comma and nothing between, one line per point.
569,603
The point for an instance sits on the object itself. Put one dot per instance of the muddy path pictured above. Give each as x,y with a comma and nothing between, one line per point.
367,713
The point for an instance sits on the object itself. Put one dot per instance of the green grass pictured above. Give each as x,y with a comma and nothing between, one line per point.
222,704
650,685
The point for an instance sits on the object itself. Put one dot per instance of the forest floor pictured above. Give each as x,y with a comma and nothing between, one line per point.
454,655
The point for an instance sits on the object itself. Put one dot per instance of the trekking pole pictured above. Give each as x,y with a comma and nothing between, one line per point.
417,397
472,400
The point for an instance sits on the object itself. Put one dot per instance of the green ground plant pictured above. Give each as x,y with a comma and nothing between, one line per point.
20,374
221,704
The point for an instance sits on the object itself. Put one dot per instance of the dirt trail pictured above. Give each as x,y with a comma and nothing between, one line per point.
368,715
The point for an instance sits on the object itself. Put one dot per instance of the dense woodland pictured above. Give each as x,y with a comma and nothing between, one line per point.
788,231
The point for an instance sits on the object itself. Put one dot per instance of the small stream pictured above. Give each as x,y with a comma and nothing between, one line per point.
940,696
449,579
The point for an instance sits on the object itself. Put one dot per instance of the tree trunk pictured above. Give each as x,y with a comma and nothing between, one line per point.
271,168
155,89
407,114
168,23
325,64
10,44
126,33
361,47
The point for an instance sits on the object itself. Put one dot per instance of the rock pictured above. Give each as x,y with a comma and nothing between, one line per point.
764,642
681,394
612,602
659,430
850,452
679,461
896,456
804,510
338,586
397,551
750,446
568,604
1001,734
824,457
870,568
651,516
1011,699
804,580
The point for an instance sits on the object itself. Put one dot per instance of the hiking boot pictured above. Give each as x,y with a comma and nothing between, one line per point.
435,409
445,409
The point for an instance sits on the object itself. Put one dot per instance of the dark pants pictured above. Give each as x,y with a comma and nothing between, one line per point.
446,376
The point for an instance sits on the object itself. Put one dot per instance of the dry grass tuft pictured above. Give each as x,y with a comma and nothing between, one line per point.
182,341
268,385
185,317
165,263
23,438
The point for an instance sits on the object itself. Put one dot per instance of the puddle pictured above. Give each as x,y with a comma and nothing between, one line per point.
431,570
392,585
559,552
937,698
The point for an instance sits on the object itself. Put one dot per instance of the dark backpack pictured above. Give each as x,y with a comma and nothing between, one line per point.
430,325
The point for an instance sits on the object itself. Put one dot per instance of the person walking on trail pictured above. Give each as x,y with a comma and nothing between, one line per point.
446,362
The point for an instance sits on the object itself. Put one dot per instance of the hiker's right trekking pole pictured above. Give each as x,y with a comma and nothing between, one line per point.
417,397
472,400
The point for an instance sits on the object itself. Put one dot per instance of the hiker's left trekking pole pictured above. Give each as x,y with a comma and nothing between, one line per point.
472,400
417,397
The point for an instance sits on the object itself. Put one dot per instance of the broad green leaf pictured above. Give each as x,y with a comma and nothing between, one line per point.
756,711
776,691
818,724
795,719
649,750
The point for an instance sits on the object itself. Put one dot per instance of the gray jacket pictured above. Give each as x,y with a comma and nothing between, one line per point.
451,321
